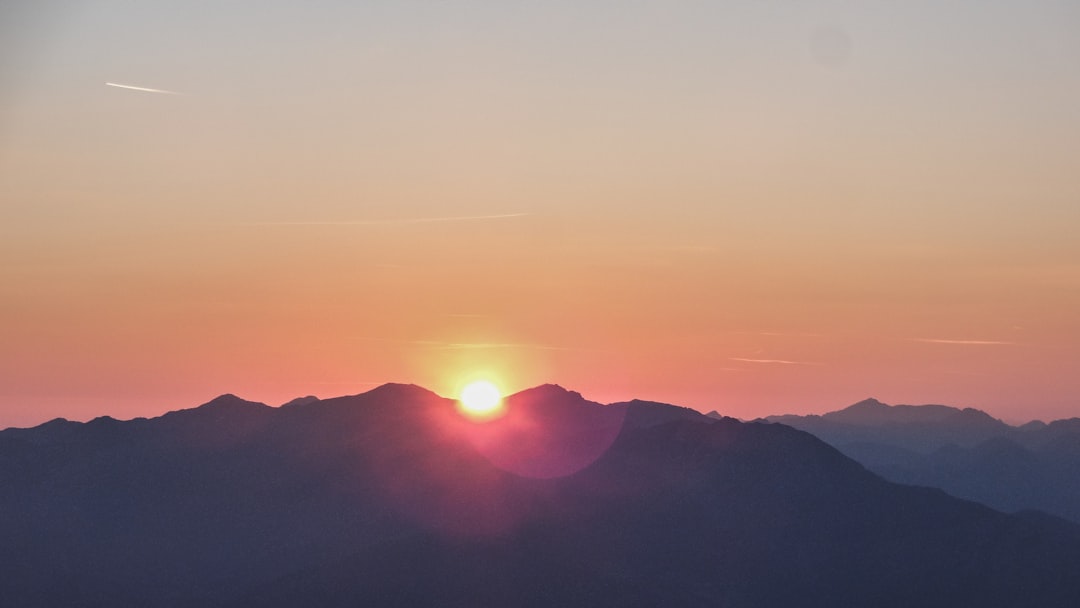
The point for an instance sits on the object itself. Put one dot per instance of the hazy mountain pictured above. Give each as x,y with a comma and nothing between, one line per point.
966,452
921,428
390,498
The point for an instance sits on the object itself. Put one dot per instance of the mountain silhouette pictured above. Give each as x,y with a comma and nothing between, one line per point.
921,428
965,452
391,498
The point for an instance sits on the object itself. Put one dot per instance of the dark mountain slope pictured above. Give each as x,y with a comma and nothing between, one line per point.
391,498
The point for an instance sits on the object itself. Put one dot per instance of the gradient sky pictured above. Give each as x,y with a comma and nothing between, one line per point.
768,206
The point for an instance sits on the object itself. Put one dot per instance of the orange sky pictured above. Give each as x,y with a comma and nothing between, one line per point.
781,208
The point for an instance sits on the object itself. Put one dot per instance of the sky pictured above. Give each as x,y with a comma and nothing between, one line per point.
757,207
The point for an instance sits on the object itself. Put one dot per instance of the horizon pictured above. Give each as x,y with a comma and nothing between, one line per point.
507,395
754,208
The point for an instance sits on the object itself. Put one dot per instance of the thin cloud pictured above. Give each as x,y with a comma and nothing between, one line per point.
974,342
440,345
490,345
143,89
780,334
780,361
398,221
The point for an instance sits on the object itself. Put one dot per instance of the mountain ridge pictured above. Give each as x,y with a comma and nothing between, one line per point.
392,498
965,451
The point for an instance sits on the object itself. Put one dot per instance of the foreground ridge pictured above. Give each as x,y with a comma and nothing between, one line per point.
390,498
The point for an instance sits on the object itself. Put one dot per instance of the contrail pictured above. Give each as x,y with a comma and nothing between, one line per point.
401,221
976,342
144,89
783,361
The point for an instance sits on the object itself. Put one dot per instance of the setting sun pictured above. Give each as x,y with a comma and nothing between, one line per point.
481,399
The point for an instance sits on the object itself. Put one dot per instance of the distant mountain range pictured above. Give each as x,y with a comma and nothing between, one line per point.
390,498
965,452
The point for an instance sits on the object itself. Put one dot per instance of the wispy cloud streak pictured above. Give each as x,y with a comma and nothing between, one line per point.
974,342
780,361
398,221
143,89
441,345
492,345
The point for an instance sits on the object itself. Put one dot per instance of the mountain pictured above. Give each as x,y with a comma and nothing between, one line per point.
965,452
920,428
391,498
300,401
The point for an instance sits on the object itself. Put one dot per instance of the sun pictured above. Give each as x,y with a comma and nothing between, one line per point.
481,400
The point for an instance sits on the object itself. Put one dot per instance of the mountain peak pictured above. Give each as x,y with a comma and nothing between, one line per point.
228,401
223,399
867,411
867,404
222,405
300,401
399,390
547,392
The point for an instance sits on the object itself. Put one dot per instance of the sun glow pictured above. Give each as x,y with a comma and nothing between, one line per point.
481,400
